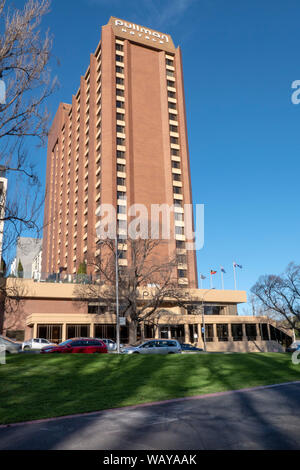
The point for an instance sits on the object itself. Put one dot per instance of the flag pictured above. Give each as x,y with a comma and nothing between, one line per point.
223,270
237,265
202,277
213,272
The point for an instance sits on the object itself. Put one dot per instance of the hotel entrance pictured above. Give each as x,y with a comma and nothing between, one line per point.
172,332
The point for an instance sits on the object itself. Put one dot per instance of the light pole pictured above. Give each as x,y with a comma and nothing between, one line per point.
117,298
203,318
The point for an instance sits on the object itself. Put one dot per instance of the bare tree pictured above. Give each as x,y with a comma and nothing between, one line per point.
145,285
25,86
279,296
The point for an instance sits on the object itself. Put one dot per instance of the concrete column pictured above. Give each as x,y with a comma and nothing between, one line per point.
200,340
269,332
92,330
258,332
215,332
244,332
64,332
186,334
230,337
156,332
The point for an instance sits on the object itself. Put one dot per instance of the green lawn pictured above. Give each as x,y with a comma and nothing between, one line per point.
33,387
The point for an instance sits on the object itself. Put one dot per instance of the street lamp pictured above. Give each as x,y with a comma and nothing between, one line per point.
117,298
203,318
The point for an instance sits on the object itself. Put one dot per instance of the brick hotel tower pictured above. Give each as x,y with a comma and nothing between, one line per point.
122,141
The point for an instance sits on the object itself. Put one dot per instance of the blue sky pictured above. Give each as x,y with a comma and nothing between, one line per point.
240,59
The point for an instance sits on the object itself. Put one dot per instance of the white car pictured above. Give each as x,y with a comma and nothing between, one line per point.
35,344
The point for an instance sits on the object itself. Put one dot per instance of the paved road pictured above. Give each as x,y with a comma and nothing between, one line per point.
257,419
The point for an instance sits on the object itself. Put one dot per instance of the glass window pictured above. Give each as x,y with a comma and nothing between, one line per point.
121,195
177,190
119,58
251,332
222,332
237,332
179,230
121,209
121,181
212,310
149,331
151,344
120,154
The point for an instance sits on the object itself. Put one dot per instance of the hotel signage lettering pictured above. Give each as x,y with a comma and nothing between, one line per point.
142,32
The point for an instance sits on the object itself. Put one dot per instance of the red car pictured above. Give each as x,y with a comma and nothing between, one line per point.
77,346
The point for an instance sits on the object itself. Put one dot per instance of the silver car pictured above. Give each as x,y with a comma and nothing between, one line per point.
156,346
11,347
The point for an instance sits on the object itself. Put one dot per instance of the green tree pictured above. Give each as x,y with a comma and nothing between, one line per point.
82,268
20,269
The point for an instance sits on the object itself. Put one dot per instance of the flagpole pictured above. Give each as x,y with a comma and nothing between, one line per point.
211,281
222,277
234,268
201,282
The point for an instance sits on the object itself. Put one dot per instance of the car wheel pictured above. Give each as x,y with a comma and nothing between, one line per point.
171,352
26,348
136,352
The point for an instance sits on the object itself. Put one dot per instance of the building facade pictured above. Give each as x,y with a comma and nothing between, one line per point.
55,311
121,142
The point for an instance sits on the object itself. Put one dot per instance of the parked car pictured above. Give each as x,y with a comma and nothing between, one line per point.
77,346
157,346
36,344
293,347
110,344
11,347
189,348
